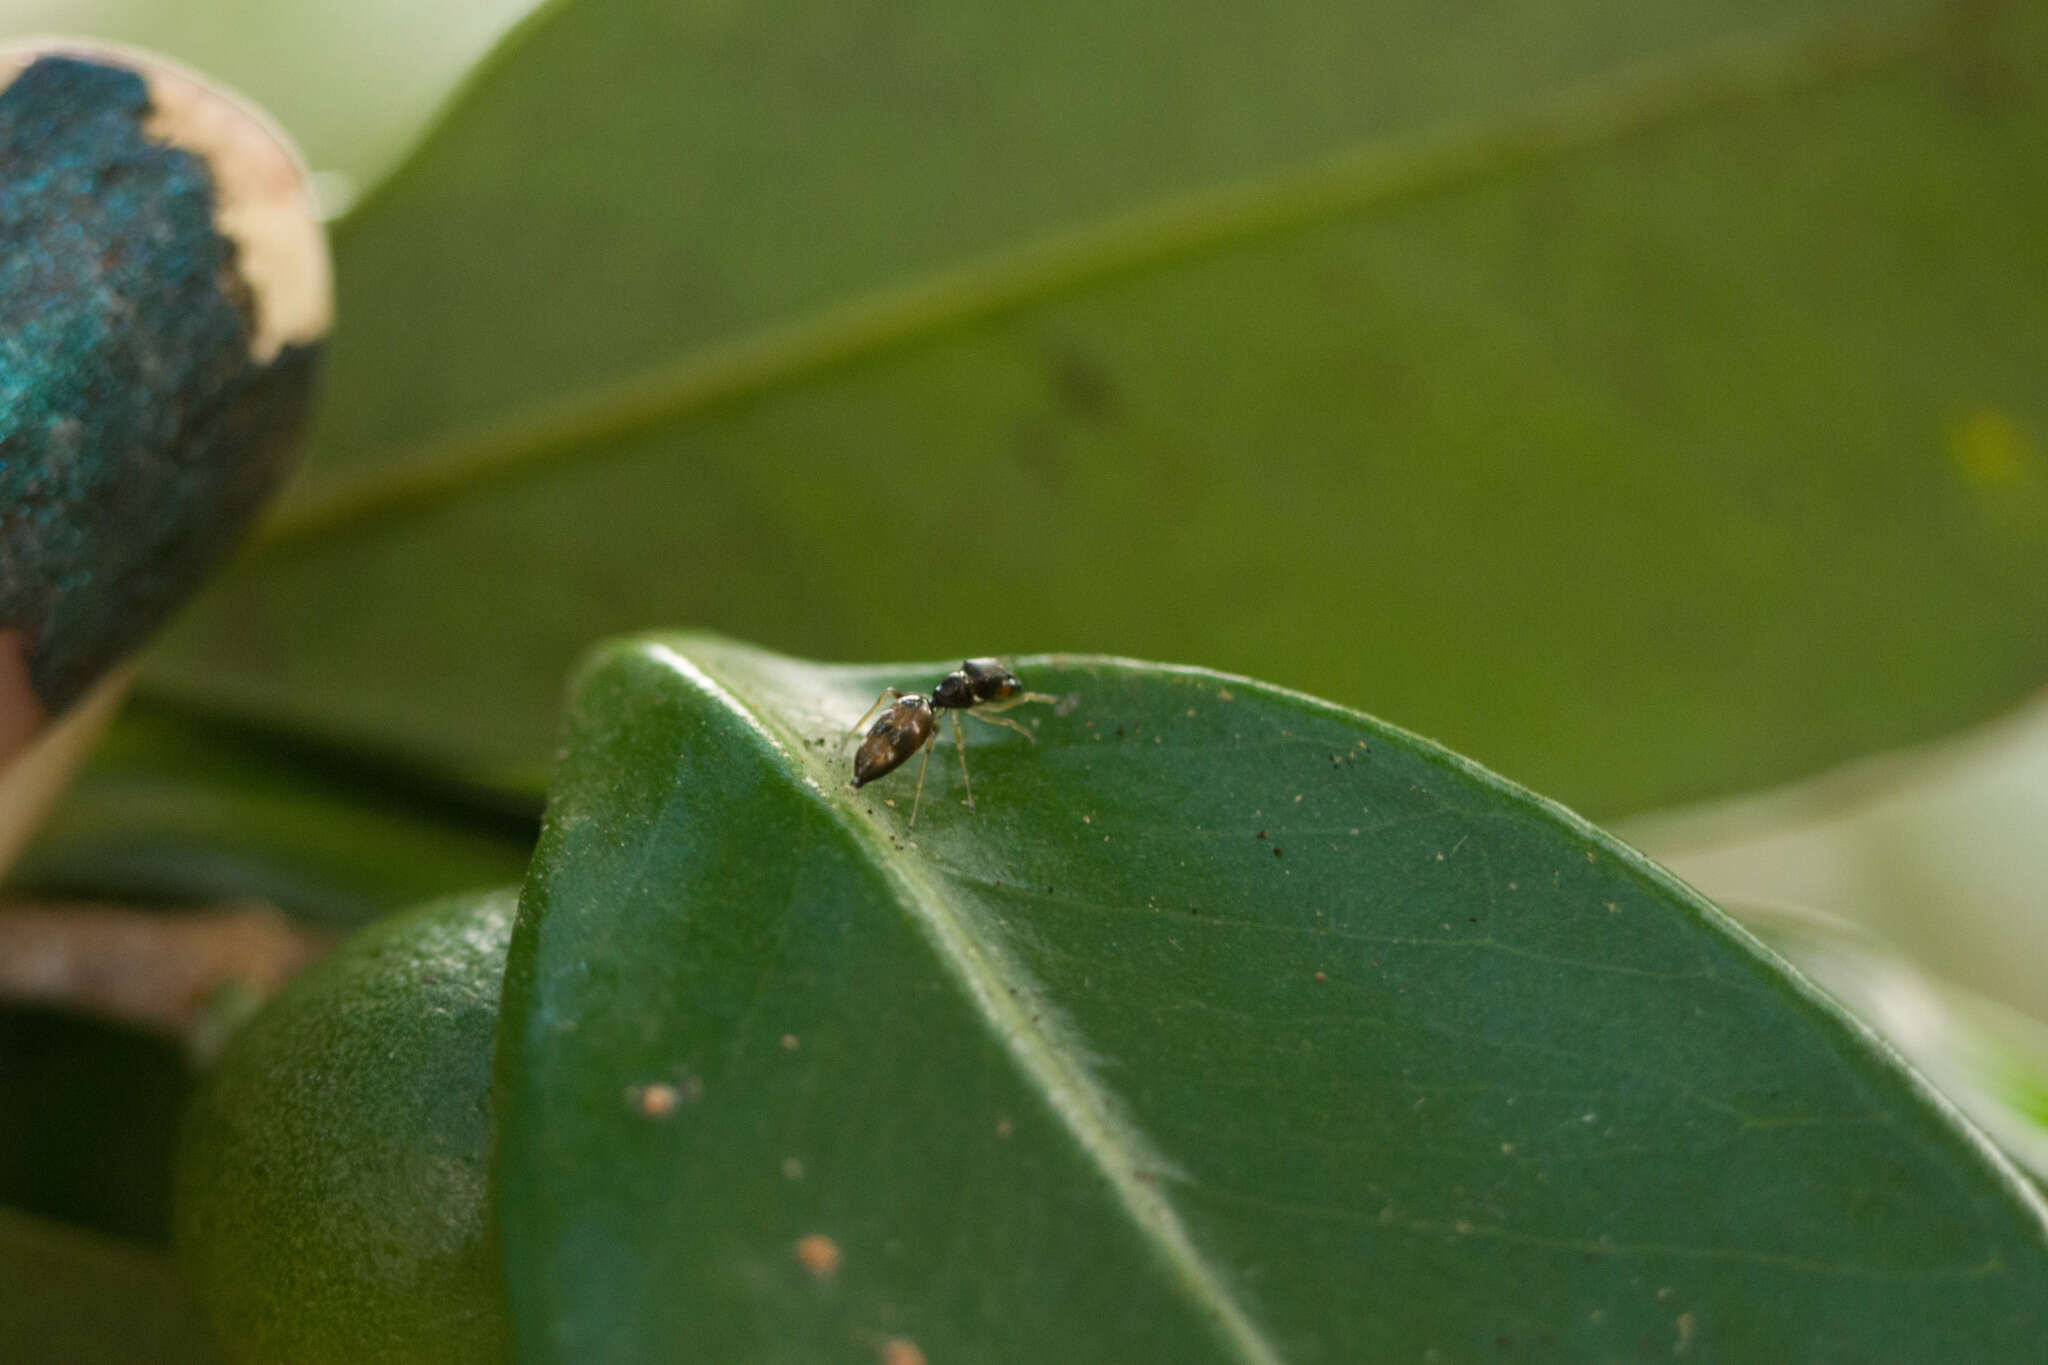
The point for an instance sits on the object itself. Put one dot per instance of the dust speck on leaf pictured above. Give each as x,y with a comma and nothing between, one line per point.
1321,978
1687,1325
901,1351
655,1101
790,1042
1084,387
818,1254
1005,1128
792,1168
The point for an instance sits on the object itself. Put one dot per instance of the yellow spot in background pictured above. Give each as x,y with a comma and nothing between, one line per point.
1990,448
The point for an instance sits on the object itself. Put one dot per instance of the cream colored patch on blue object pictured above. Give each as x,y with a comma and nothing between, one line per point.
164,299
263,195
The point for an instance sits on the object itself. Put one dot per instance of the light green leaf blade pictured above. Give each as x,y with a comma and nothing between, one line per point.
1554,379
1230,1026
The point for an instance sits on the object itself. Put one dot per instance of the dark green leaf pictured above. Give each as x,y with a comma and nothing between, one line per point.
332,1183
1560,380
175,806
1231,1026
88,1122
69,1297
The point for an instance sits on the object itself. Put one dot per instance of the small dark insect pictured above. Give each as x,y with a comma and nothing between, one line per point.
979,688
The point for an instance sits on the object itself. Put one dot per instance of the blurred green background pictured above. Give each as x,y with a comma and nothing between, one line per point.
1644,399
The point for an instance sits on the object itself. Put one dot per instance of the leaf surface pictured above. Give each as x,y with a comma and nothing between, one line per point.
1230,1026
1556,379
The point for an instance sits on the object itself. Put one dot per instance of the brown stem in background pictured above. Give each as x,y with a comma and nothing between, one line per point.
154,970
21,714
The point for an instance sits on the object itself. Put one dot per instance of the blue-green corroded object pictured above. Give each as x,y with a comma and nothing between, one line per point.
144,415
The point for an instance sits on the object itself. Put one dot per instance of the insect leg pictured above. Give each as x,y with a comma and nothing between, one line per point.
991,713
1018,700
998,720
922,764
961,749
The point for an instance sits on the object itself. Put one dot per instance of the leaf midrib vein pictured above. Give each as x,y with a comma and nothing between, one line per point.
1022,1020
1376,172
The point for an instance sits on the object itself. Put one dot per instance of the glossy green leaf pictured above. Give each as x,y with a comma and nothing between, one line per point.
1559,380
67,1296
1230,1026
175,806
332,1182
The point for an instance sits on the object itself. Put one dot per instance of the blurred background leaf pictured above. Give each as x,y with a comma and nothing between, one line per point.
1990,1059
176,811
1935,853
1641,398
181,807
92,1111
83,1300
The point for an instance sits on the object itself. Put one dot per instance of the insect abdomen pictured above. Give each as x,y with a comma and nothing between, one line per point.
898,733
